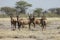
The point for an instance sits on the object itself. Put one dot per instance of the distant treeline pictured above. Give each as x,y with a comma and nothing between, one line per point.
21,10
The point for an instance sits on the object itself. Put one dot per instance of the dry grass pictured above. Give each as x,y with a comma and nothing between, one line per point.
48,19
47,34
26,34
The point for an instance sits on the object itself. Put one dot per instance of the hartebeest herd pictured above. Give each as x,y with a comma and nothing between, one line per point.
22,21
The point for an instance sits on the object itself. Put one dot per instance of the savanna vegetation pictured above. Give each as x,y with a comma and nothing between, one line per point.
21,8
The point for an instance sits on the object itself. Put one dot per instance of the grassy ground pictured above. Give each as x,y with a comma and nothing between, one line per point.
51,32
37,35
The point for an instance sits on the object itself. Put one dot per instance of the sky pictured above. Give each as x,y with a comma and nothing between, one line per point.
45,4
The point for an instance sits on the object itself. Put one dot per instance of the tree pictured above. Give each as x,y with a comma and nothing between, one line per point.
55,10
8,10
52,10
23,6
58,11
38,11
